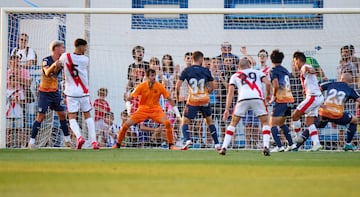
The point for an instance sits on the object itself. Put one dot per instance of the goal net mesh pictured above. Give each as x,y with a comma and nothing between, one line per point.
167,38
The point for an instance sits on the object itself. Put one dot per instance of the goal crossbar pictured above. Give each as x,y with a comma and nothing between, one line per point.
186,10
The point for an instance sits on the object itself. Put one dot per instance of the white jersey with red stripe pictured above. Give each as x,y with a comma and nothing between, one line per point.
248,83
309,82
76,74
266,70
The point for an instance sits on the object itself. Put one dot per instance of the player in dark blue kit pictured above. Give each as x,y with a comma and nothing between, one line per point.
282,96
49,95
200,82
337,93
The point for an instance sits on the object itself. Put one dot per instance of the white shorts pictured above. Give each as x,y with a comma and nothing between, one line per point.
310,106
76,104
257,105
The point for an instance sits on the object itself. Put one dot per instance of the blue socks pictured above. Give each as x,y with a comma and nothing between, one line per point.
186,133
351,132
305,135
64,127
214,134
287,134
276,135
35,129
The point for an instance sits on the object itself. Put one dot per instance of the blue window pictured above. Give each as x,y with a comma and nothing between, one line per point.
158,21
273,21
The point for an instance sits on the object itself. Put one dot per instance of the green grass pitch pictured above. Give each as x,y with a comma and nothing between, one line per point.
160,172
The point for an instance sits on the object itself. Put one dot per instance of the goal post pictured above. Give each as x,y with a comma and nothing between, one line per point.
115,31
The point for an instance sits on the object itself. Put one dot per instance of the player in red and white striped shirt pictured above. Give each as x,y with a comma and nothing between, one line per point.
312,102
77,91
248,81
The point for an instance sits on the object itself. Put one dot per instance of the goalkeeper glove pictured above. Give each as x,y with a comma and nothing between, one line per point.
128,107
176,111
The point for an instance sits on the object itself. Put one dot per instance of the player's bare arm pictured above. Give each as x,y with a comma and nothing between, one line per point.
177,89
275,86
268,86
211,86
54,68
171,101
175,108
229,98
129,98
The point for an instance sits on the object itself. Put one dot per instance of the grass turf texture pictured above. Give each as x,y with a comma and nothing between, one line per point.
158,172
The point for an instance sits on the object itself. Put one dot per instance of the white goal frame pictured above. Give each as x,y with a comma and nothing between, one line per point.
6,11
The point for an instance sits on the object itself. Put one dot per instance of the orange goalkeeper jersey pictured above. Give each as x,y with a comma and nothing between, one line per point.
150,97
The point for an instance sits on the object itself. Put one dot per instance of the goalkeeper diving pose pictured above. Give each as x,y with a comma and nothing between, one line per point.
200,82
149,92
333,109
49,94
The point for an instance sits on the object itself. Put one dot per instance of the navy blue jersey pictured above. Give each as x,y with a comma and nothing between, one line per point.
340,90
197,78
283,94
337,93
48,83
47,61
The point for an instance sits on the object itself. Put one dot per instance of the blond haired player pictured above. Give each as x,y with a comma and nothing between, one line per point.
248,81
49,94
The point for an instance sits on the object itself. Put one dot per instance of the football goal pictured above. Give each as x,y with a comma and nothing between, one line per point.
167,32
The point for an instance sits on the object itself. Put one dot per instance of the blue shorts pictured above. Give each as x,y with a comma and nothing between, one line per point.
50,99
281,110
344,120
191,111
250,119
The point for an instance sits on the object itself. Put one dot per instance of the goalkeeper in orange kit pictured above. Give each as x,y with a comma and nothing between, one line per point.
150,92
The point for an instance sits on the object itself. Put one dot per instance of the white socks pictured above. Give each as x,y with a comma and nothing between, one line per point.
314,134
228,135
297,127
32,141
266,135
67,138
75,128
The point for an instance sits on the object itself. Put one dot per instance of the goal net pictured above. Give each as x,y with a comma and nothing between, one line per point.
164,32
